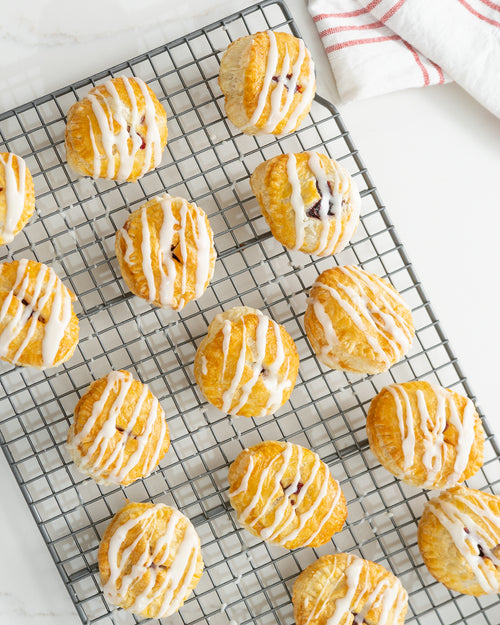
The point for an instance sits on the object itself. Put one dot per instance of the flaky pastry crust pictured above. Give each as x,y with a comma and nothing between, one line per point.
284,494
425,435
247,364
268,82
309,201
166,252
38,326
17,196
119,433
117,131
459,539
149,559
356,321
347,590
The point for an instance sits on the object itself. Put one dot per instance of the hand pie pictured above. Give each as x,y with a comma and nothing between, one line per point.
309,201
247,364
343,589
459,539
38,327
118,131
149,559
17,196
284,494
425,435
166,252
119,433
356,321
268,82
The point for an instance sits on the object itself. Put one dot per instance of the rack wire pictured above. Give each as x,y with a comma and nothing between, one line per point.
209,161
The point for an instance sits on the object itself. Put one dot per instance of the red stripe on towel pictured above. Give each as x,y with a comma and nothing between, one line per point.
339,29
367,9
439,71
419,63
392,11
356,42
467,6
491,5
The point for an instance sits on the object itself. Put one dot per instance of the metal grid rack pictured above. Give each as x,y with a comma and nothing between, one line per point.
207,160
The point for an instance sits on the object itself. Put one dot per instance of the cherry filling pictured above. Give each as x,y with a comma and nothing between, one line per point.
298,88
124,431
356,619
292,496
143,141
40,318
313,211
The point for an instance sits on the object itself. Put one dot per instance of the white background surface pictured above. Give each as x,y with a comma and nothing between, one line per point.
433,154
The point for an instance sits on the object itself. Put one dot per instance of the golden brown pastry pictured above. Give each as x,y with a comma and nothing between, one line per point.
309,201
268,82
425,435
149,559
356,321
247,364
17,196
459,539
118,131
119,433
38,327
166,252
343,589
285,494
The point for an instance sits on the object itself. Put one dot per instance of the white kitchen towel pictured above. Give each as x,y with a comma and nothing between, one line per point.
383,45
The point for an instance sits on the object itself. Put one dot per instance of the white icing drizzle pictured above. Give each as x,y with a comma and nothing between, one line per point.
285,80
173,588
275,382
56,321
192,221
435,449
105,440
109,109
296,201
365,313
15,194
286,512
388,595
455,521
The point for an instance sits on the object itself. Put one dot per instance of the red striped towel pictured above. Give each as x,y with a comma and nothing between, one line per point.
378,46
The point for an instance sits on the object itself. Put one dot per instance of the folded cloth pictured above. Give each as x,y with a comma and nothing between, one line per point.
378,46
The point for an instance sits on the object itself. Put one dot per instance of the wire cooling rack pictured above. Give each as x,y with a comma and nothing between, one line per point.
207,160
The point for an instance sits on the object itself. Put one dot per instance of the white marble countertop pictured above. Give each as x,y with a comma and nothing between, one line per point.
433,154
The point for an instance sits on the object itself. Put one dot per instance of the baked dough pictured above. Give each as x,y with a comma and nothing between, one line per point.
38,327
247,364
17,196
284,494
309,201
268,82
356,321
117,131
166,252
343,589
459,539
425,435
119,433
149,559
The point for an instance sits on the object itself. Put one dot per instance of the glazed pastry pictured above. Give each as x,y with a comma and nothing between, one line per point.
166,252
119,433
38,327
343,589
247,364
149,559
268,82
308,200
356,321
459,539
17,196
118,131
425,435
284,494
